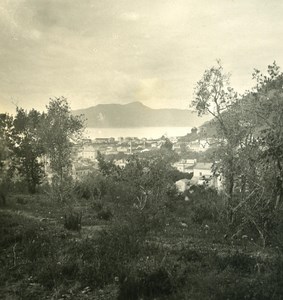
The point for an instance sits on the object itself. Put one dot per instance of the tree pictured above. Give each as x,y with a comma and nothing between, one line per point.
213,95
151,179
93,186
167,145
6,126
28,146
107,168
60,130
250,143
194,131
267,104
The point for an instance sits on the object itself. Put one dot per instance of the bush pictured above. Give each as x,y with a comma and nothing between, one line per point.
105,214
146,285
202,213
2,198
97,205
73,221
21,200
205,204
5,186
108,256
61,190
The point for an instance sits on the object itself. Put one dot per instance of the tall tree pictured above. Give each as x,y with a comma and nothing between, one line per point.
6,127
250,133
214,96
28,146
60,130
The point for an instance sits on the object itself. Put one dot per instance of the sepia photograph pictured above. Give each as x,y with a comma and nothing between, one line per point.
141,149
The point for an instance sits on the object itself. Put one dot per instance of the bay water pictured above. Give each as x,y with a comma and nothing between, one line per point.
139,132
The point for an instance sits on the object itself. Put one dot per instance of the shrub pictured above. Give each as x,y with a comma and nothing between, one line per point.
237,261
97,205
73,221
21,200
106,257
4,188
202,213
61,190
105,214
148,285
2,198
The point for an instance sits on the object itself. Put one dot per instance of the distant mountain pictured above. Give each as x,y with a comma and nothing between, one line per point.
136,114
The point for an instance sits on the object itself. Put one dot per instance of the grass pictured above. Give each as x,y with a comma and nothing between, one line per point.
124,258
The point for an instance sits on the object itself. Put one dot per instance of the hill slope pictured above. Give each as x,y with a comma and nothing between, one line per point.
136,114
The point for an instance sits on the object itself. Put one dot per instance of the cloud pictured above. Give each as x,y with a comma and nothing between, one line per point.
130,16
95,51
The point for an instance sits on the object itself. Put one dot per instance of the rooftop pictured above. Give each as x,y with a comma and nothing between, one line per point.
203,166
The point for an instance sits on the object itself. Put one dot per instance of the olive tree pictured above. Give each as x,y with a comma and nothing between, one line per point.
214,96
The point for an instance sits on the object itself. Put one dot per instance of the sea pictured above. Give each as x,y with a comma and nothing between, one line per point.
139,132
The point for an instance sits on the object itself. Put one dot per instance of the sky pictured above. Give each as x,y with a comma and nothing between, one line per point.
120,51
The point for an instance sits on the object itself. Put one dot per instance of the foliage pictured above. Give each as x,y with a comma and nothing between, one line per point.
28,147
157,283
61,190
6,126
73,221
92,186
6,165
167,145
214,95
105,213
107,168
149,178
249,153
128,255
60,129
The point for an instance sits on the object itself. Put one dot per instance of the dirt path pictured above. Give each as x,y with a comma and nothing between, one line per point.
26,215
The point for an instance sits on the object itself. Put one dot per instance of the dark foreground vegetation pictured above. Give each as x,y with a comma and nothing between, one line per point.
126,233
183,251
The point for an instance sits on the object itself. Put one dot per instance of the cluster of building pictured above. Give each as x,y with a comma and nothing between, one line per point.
130,145
85,154
198,145
85,157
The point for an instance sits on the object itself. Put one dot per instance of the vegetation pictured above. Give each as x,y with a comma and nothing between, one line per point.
27,146
126,233
30,138
60,128
249,152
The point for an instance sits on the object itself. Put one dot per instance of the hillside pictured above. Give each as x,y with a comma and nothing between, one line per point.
209,127
136,114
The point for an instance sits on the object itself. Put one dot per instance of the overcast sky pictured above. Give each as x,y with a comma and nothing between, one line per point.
119,51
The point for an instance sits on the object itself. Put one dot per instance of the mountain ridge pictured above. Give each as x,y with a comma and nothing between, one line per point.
136,114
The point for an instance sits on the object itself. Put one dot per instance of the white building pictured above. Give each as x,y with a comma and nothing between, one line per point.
203,174
203,169
185,165
88,152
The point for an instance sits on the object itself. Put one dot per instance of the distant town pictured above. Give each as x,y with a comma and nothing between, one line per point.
190,149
